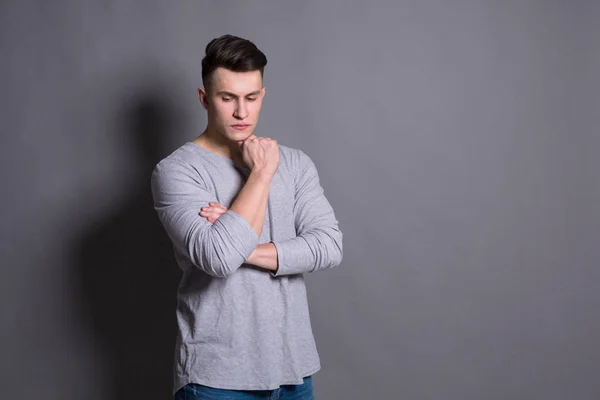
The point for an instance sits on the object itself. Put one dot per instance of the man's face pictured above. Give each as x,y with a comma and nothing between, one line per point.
233,102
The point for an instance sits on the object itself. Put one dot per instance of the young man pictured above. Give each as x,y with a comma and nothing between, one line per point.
247,218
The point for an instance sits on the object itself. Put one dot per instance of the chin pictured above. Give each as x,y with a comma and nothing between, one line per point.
240,135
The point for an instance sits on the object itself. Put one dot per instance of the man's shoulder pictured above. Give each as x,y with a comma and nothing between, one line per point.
291,155
178,159
181,153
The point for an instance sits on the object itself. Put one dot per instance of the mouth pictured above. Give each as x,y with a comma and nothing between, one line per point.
240,127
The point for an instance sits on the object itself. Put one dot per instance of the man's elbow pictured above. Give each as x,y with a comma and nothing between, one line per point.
215,265
338,253
212,259
334,250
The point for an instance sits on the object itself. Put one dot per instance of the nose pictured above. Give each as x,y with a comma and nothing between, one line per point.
241,111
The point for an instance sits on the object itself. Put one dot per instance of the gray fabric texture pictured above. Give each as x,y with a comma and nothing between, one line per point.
239,326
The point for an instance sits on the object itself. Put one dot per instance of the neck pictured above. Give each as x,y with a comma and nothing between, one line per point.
216,143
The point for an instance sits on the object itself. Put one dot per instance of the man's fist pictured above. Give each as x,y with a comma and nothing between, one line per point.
261,154
213,211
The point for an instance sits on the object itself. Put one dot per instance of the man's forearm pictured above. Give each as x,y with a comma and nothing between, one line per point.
251,201
264,256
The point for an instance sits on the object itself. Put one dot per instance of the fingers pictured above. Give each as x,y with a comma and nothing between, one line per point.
260,153
215,204
213,211
259,138
241,143
210,216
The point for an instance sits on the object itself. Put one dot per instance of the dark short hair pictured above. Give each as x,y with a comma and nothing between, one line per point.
232,53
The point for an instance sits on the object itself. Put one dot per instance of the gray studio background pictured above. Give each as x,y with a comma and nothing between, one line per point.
456,140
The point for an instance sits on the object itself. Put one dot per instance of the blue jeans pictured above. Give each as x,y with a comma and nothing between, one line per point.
193,391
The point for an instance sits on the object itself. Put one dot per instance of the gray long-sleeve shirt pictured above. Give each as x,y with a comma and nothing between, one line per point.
239,326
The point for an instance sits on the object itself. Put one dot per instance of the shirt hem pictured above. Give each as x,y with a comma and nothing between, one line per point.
184,380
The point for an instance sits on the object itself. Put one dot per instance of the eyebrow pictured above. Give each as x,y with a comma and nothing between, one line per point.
235,95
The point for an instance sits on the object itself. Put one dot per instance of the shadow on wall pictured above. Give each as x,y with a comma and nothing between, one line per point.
126,272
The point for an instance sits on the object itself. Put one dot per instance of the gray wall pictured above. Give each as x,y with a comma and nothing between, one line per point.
457,142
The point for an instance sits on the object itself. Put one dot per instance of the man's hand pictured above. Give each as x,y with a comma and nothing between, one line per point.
260,154
213,211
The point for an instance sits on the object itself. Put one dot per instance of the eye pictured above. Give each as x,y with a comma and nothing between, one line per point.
251,98
226,98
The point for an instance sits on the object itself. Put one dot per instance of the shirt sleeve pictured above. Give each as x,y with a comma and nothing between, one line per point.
318,243
218,249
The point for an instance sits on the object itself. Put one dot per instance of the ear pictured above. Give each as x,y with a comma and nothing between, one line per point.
203,97
264,91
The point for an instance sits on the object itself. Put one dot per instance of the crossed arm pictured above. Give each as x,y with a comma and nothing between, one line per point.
264,255
220,244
